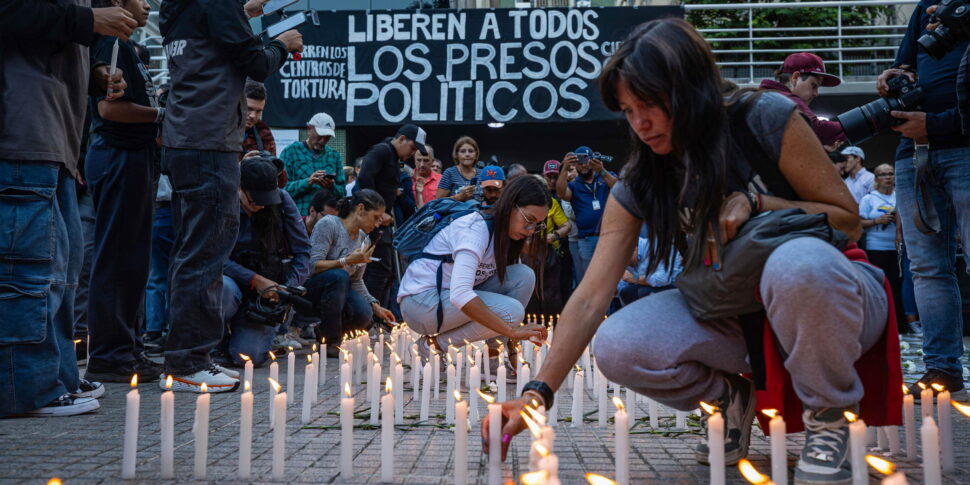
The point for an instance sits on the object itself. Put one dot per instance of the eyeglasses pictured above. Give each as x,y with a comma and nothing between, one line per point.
886,174
529,223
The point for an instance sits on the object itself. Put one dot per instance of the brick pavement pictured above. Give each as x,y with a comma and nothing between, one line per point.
87,449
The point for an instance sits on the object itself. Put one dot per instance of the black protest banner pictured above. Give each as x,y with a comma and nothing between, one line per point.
452,66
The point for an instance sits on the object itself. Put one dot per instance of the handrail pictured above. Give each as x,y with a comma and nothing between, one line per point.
742,6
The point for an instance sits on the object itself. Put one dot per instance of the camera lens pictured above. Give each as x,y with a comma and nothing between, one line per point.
866,121
936,43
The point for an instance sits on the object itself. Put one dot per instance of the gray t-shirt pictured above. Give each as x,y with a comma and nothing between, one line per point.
330,242
767,118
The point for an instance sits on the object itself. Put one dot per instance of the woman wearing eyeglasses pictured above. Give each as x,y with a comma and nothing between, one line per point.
878,212
485,291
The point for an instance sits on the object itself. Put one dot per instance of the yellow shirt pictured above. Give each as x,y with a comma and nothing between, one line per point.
554,220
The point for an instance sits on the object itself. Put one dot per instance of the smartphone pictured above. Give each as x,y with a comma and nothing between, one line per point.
289,23
272,6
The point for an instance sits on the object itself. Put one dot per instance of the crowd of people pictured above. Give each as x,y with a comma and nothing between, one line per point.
176,230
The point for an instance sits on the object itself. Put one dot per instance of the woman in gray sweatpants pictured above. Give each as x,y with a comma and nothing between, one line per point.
704,164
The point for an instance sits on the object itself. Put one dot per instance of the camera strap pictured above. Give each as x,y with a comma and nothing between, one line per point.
927,220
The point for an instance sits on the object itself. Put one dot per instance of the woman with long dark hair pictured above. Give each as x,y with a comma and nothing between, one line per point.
485,290
691,179
461,180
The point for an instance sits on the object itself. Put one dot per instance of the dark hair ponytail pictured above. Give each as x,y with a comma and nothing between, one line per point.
371,200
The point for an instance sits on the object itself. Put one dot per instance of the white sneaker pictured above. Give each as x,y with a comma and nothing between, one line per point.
89,389
214,379
290,340
67,405
228,372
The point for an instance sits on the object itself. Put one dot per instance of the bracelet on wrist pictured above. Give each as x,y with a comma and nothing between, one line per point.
343,262
542,390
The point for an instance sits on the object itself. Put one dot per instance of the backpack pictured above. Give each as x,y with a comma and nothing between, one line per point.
416,233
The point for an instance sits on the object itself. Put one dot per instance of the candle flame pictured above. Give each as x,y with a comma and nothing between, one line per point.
205,388
921,385
595,479
533,427
708,408
376,360
542,450
246,386
750,473
905,390
323,340
272,356
276,385
134,380
771,413
387,385
309,358
244,357
618,403
963,408
314,347
850,416
488,398
168,382
54,481
536,415
535,478
450,360
457,396
471,360
291,348
938,387
578,368
347,389
881,465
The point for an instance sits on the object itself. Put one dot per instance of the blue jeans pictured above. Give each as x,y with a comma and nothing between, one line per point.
245,336
587,245
156,293
909,293
85,206
577,262
205,217
933,257
340,308
40,259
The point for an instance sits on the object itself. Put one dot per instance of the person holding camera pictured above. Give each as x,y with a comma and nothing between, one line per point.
696,194
587,194
311,165
937,125
799,78
272,248
339,254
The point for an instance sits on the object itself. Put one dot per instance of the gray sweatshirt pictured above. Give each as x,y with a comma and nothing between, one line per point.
330,242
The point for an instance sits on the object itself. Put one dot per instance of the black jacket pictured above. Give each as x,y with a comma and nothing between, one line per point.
380,171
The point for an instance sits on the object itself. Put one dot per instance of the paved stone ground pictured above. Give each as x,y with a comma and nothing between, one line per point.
87,449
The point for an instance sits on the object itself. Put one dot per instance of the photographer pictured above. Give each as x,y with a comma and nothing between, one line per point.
340,252
799,78
272,248
587,194
311,165
932,255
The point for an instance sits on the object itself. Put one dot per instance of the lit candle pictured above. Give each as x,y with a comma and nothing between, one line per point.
346,434
536,431
291,371
309,389
132,409
375,400
751,474
945,419
167,425
500,379
549,464
909,421
245,431
322,363
425,392
315,377
415,373
345,369
524,377
473,396
436,375
578,398
601,397
247,368
586,365
715,444
779,456
486,364
274,373
622,436
461,440
387,433
398,390
494,439
201,429
449,395
886,468
931,451
857,449
926,400
279,431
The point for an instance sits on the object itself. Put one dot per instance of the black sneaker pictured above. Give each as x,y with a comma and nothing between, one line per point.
67,405
147,370
825,456
737,405
89,389
952,383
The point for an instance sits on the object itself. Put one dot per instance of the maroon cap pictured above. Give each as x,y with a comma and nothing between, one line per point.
551,166
809,63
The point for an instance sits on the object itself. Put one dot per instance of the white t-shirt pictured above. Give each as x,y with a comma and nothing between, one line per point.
467,240
861,184
879,237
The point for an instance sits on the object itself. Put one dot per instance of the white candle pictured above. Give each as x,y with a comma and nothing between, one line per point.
578,399
715,444
926,401
857,449
631,397
345,371
436,375
486,365
315,374
779,455
449,395
167,425
524,377
375,401
415,374
387,433
654,412
680,419
291,372
201,430
500,381
322,363
347,434
398,390
472,395
944,418
898,478
892,434
621,431
909,421
539,355
587,365
245,432
931,451
132,410
601,398
425,392
274,373
247,368
279,431
309,389
461,440
494,440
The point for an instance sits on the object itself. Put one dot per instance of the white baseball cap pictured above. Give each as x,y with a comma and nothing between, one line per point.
854,151
323,124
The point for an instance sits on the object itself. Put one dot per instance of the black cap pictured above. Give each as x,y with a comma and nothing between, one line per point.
415,134
258,177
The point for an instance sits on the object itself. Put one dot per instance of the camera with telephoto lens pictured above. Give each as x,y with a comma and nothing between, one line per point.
868,120
954,28
273,313
584,158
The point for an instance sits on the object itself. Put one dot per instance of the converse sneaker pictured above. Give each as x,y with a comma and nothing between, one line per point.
737,405
212,377
228,372
952,383
67,405
825,456
89,389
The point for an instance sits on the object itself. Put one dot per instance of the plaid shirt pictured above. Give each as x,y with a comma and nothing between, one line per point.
300,163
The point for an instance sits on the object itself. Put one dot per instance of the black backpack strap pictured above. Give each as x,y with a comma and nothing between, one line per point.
439,277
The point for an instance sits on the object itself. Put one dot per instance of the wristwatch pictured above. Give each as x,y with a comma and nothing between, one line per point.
542,389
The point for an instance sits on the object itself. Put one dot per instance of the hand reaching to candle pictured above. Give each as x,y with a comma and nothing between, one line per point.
512,423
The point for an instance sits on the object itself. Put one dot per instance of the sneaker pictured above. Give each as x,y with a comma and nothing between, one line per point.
737,405
291,340
67,405
952,383
212,377
147,370
825,456
89,389
228,372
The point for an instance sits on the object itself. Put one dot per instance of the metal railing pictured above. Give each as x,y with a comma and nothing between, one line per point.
748,53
